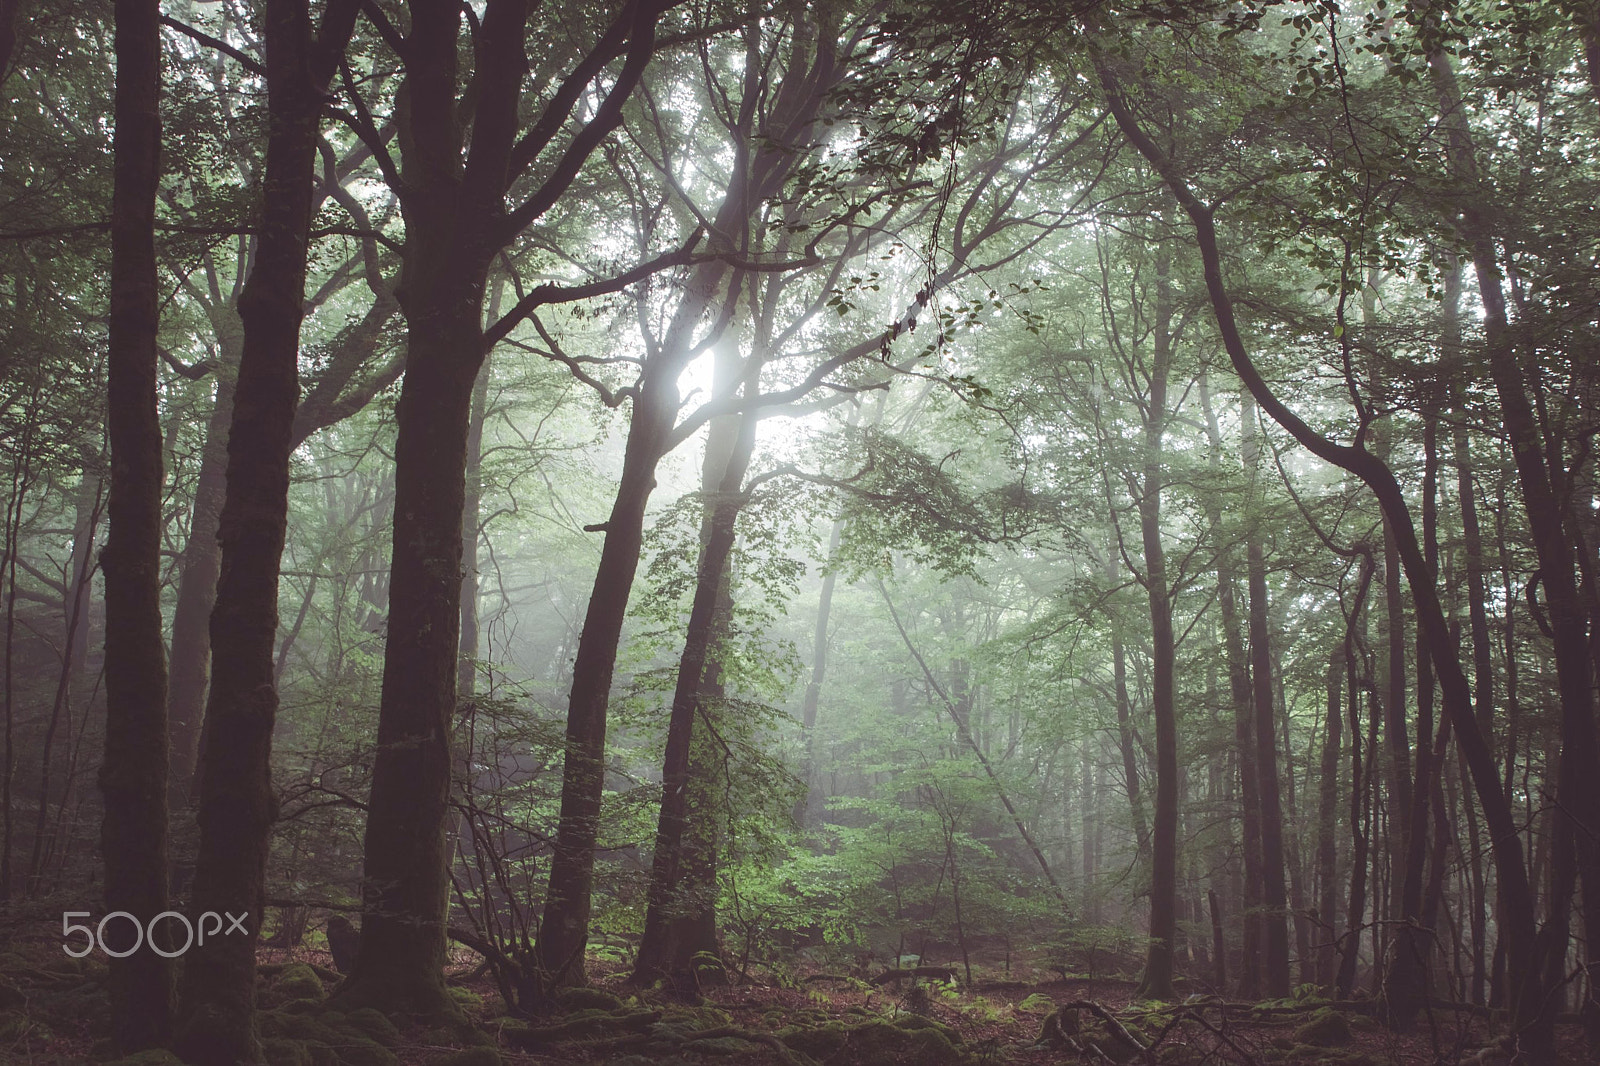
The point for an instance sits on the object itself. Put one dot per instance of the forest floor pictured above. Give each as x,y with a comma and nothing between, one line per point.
52,1013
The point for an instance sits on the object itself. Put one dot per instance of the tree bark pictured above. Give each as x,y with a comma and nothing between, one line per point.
1156,982
1328,824
197,577
1274,919
467,666
1244,733
133,773
237,803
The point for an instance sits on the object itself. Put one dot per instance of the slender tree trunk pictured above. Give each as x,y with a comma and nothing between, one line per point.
472,503
73,646
1125,742
564,931
1275,969
1328,825
133,774
1478,616
809,809
1157,980
21,481
1245,748
668,929
237,803
197,576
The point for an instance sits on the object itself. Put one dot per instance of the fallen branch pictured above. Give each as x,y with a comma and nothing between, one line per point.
942,973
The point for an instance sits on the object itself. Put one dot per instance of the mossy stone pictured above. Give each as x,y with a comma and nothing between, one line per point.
297,981
1326,1028
575,999
817,1041
467,998
375,1024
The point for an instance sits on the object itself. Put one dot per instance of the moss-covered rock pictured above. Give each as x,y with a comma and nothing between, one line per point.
914,1038
375,1025
330,1038
575,999
1326,1028
818,1041
467,998
295,982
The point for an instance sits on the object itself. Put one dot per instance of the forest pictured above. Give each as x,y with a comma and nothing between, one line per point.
800,532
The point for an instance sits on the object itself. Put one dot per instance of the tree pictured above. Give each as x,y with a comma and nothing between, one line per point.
456,225
236,800
133,774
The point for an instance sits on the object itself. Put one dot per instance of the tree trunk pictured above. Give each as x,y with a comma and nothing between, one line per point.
456,223
809,810
1478,616
467,667
1274,919
237,803
1243,730
564,931
1328,825
671,935
1157,980
197,577
133,774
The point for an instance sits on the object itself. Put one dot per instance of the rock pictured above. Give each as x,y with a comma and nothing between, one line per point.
343,938
1326,1028
296,981
575,999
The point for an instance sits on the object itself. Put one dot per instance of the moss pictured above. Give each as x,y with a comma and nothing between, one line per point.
920,1021
1311,1055
468,999
698,1017
375,1025
280,1052
296,981
574,999
719,1045
154,1057
331,1038
478,1056
817,1041
12,1025
1326,1028
916,1039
